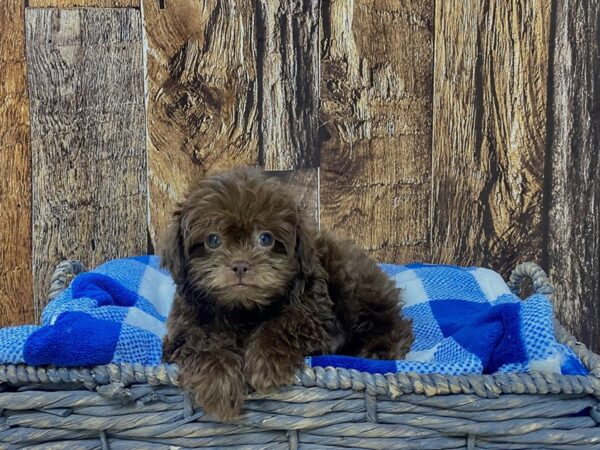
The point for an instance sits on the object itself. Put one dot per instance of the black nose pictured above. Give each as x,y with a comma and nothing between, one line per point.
240,267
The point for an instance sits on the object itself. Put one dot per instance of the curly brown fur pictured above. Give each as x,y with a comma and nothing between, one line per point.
248,310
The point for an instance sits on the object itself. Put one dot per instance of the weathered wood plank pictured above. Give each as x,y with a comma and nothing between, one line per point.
490,83
16,297
574,150
202,94
288,67
376,111
306,184
288,61
84,3
88,137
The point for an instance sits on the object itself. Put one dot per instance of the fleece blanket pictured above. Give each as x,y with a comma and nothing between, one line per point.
465,320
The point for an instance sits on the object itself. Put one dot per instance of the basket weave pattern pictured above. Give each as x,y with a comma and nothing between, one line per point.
124,406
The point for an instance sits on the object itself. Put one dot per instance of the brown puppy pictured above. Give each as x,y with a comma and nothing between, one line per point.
258,290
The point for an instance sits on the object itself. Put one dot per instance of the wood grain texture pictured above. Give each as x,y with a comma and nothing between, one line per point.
491,62
288,67
305,183
84,3
88,137
376,100
202,95
16,297
574,153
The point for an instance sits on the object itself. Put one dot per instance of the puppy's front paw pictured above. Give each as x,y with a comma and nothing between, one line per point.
217,383
222,397
270,367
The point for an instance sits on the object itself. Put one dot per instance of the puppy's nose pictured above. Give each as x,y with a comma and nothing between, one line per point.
240,267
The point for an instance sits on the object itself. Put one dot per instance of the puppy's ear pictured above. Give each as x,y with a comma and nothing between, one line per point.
171,248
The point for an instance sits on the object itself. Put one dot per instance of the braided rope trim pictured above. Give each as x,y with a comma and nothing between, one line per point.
63,274
116,376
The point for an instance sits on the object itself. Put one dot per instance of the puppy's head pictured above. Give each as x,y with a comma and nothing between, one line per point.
238,237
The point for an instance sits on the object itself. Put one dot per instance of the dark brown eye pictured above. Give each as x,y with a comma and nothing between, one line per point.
265,239
213,240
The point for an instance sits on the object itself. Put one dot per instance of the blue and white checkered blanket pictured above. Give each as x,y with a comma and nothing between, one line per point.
465,321
114,313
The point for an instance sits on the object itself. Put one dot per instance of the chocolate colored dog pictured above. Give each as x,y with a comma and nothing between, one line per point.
258,289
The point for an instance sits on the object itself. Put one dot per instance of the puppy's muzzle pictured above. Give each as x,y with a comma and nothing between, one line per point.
240,268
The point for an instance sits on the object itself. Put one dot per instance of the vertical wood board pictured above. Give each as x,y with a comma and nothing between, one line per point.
88,137
574,152
288,66
202,95
16,298
84,3
490,89
376,100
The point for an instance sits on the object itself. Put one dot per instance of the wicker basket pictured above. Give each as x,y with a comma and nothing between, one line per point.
135,407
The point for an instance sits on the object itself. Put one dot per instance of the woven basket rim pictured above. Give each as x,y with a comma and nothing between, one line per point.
390,384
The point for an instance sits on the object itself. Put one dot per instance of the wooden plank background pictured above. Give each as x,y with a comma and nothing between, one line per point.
16,304
573,242
376,109
202,95
461,132
83,3
489,131
87,137
288,67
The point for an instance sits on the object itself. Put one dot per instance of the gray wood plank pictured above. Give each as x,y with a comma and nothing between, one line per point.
88,137
84,3
288,64
574,179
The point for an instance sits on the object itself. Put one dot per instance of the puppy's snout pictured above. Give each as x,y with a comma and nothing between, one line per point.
240,267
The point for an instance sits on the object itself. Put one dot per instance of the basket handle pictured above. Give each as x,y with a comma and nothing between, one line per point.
63,274
532,271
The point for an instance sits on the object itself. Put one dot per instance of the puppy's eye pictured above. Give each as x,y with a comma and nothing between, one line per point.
265,239
213,240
